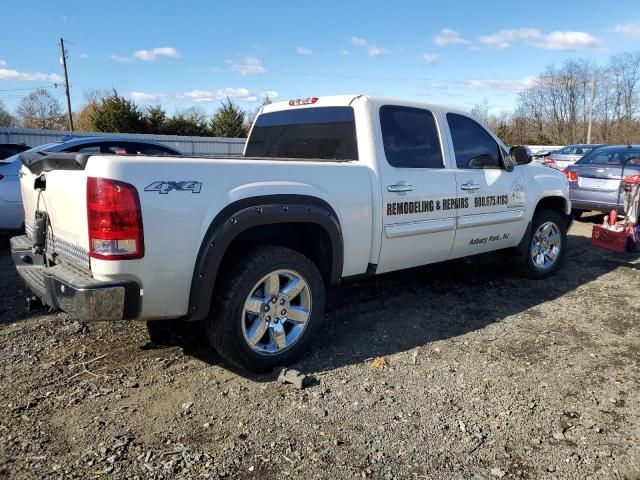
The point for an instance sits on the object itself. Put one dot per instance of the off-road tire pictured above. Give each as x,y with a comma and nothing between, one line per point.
541,217
224,326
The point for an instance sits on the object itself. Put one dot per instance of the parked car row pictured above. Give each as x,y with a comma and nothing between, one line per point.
569,155
595,173
11,211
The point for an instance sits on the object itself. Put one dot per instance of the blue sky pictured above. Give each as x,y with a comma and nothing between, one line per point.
193,53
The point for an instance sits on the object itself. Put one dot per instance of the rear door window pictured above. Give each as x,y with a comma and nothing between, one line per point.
410,137
319,133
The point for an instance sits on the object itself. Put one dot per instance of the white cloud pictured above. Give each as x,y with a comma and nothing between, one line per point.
438,85
372,50
344,51
304,51
504,86
207,96
569,41
631,29
146,97
233,92
551,41
250,65
7,74
504,38
3,63
430,58
120,58
153,54
202,96
198,96
448,36
84,55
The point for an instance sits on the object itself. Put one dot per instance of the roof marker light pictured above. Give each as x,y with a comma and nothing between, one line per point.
302,101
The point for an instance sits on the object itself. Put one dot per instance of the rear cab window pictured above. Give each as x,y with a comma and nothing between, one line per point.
317,133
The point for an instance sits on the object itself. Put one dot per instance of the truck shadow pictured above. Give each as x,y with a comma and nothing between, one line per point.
402,311
405,310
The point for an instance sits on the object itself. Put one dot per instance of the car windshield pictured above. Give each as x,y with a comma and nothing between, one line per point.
611,157
39,148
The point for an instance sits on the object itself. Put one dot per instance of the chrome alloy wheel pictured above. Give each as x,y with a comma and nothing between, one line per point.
276,312
546,245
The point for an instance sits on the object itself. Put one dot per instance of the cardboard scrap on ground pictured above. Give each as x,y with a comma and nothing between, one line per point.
379,363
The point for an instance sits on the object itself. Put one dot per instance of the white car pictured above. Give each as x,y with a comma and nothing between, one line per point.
330,189
11,211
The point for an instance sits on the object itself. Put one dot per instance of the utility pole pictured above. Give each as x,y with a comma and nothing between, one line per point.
63,60
593,91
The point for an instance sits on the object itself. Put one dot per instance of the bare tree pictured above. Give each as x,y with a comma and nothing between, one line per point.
40,109
624,70
481,111
6,119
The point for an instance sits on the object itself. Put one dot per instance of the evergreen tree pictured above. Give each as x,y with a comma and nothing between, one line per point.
155,118
116,114
229,121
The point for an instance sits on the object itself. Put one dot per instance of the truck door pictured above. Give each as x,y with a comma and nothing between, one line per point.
418,189
492,189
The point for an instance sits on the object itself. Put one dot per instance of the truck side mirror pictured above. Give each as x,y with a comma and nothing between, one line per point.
520,155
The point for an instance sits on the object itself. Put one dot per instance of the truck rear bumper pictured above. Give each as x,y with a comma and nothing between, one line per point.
72,289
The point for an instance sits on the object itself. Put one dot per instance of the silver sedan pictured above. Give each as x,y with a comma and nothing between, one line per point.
596,180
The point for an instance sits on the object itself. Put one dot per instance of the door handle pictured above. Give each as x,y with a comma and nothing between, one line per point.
397,188
469,186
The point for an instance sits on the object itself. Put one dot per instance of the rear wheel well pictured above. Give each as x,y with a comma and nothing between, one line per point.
310,239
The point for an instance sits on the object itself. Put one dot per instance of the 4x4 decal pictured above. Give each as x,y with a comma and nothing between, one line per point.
165,186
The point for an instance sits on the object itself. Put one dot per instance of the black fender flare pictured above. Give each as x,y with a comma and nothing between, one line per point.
250,212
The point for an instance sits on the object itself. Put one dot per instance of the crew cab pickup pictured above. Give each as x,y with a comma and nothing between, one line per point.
328,189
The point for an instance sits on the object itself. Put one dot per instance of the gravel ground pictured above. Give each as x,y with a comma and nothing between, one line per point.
460,370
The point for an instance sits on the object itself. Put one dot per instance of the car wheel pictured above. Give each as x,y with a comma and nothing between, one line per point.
268,308
547,244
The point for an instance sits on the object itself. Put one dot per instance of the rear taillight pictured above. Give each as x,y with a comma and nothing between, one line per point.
571,175
549,161
115,220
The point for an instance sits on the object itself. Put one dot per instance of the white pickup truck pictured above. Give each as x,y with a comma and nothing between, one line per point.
328,189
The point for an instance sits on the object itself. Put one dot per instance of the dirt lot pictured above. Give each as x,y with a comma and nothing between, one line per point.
487,375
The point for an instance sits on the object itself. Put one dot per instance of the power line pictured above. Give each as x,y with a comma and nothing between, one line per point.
55,85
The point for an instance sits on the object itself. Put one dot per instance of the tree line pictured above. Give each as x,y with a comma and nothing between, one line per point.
554,108
114,113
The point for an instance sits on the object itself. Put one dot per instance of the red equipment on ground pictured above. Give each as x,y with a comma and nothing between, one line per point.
624,235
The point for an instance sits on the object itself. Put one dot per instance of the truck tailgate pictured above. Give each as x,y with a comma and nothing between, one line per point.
63,198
